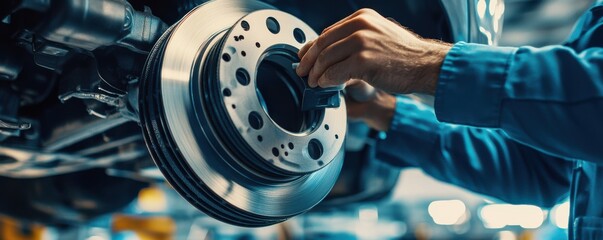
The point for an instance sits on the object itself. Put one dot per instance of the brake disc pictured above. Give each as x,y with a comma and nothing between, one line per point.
221,115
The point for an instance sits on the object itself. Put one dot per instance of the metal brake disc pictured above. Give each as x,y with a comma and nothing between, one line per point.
221,115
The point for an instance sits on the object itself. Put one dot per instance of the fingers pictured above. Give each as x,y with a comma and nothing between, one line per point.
333,54
353,15
305,49
337,74
327,39
360,91
354,82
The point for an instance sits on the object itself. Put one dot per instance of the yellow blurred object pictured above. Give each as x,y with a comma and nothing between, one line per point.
13,230
146,228
527,235
152,199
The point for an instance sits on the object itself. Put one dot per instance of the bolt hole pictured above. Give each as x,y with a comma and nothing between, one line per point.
315,149
320,163
243,53
242,76
258,45
255,120
273,25
226,57
291,146
283,146
336,136
233,106
241,37
299,35
275,152
286,154
327,126
226,92
245,25
260,138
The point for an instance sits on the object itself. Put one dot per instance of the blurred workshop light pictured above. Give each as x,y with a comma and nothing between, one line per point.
152,199
507,235
96,238
125,235
502,215
492,6
560,215
481,8
368,214
447,212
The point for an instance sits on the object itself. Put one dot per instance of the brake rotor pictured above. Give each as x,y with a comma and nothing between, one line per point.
221,113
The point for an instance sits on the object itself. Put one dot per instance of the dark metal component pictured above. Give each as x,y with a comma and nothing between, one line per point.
66,200
80,130
319,98
10,62
14,125
86,24
10,126
89,24
144,30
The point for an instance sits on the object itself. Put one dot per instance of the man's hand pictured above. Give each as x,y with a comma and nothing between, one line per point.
369,47
376,110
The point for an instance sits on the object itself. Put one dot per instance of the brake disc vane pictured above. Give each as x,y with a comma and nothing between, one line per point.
221,109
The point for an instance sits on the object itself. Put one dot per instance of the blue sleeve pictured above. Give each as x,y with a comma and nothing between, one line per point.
548,98
482,160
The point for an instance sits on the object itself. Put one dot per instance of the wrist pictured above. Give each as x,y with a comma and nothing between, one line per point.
381,111
433,59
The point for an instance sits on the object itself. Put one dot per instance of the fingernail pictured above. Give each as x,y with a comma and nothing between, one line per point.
312,83
299,71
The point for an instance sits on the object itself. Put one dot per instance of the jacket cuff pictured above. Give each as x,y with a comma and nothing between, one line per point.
471,84
412,135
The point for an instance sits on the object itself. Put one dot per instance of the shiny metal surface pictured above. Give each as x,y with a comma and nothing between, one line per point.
245,97
201,142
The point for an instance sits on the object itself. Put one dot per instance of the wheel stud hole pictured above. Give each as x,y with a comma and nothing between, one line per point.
255,120
315,149
273,25
226,92
299,35
226,57
243,76
245,25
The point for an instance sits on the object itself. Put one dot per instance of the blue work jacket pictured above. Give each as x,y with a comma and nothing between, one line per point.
521,124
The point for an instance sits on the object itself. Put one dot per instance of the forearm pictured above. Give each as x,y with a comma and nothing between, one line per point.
549,98
481,160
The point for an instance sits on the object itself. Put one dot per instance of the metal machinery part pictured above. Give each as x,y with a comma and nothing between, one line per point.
219,115
221,110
